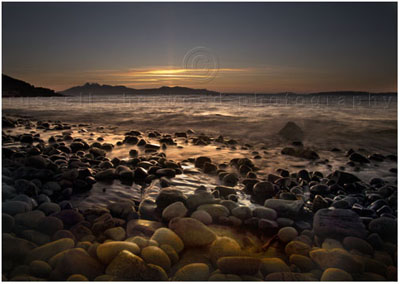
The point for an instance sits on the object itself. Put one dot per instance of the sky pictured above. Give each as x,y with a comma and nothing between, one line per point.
227,47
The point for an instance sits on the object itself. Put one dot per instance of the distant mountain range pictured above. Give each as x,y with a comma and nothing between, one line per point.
17,88
97,89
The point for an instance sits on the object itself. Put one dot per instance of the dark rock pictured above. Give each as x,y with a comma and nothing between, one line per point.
338,223
292,131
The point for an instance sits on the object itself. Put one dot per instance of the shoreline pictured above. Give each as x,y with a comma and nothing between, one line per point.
81,203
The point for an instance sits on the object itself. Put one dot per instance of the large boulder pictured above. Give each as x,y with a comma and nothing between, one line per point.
291,131
192,232
338,223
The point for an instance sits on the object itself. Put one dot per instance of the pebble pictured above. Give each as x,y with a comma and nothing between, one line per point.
173,256
336,258
46,251
351,243
303,262
77,277
77,261
192,272
107,251
157,256
296,247
242,212
165,236
127,266
14,207
287,234
265,213
215,210
202,216
223,246
116,234
285,208
273,264
176,209
39,268
192,232
385,227
336,274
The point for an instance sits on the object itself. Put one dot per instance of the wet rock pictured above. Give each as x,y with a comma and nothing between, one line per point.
242,212
285,208
342,178
157,256
168,196
155,273
116,234
303,262
192,272
107,251
170,251
356,157
335,274
202,216
225,191
139,227
216,211
265,213
49,208
39,268
76,261
106,175
209,168
192,232
200,161
15,249
223,246
199,198
267,225
297,247
263,190
26,187
165,236
35,237
357,244
176,209
336,258
338,223
127,266
230,179
385,227
239,265
49,225
29,219
273,264
46,251
287,234
292,131
69,217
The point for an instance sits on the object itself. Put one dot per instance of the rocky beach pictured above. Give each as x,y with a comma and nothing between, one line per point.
91,201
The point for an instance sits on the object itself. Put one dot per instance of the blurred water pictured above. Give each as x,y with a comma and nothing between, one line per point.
334,121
